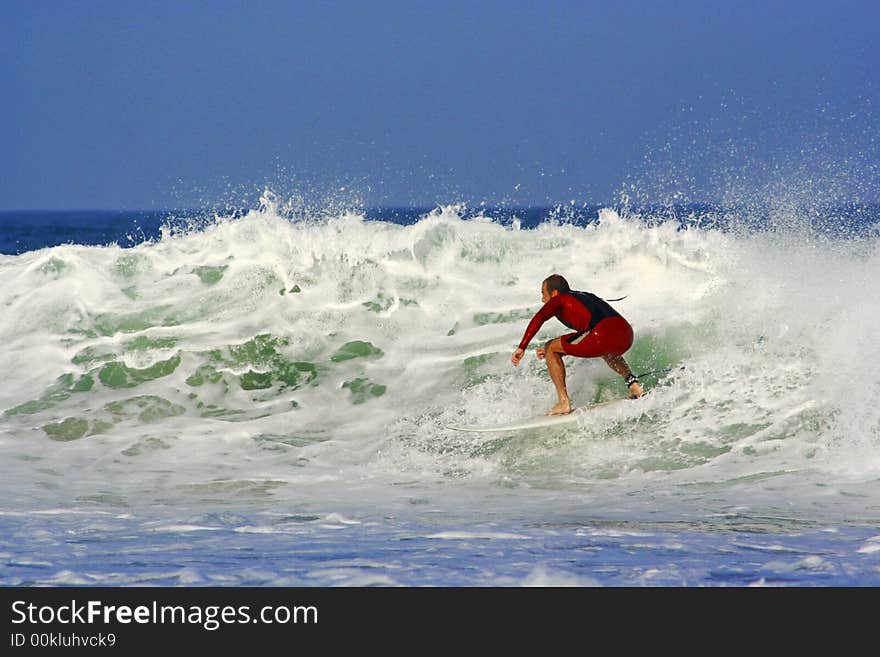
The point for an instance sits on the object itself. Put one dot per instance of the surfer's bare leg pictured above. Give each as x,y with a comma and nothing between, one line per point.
619,365
553,353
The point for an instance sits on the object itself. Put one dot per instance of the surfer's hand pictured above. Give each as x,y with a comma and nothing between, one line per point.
540,353
517,356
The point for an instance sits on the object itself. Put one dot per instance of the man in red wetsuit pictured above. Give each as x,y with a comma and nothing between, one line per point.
599,330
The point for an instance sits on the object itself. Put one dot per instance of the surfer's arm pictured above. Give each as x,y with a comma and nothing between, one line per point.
547,311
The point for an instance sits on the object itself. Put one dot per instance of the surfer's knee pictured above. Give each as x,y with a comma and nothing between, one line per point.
554,346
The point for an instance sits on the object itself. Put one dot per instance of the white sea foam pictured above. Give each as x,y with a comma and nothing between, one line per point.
480,536
871,546
544,577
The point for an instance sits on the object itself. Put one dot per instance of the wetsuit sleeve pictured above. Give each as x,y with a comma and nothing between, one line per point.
547,311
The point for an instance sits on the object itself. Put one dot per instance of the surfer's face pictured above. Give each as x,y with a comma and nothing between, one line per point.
545,295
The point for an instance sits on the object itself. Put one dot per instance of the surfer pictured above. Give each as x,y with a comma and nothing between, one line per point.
599,331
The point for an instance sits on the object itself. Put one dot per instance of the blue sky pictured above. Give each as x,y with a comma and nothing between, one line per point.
153,104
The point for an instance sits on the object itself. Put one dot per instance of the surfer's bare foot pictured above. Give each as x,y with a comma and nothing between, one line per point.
635,390
562,408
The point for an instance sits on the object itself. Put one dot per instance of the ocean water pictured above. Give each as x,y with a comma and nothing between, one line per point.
260,397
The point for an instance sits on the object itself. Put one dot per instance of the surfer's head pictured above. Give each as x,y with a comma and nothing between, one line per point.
551,284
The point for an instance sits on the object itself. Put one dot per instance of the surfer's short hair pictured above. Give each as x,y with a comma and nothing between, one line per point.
558,283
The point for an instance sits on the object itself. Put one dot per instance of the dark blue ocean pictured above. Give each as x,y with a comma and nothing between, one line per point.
261,396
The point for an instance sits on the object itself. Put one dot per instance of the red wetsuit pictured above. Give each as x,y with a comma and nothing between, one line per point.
599,329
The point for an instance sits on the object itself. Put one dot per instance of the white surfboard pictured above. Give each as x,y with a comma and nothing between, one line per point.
538,421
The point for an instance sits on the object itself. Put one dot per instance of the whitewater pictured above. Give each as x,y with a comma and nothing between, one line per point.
263,400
